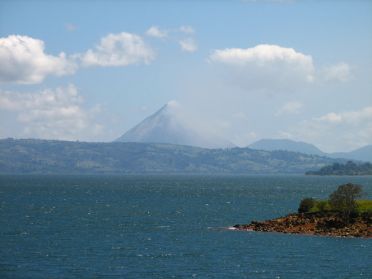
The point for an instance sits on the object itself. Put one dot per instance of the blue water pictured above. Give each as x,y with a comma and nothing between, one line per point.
167,227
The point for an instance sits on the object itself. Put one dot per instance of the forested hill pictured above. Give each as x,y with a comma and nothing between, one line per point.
65,157
350,168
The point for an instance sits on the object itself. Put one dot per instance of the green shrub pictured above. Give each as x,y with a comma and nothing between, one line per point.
323,206
306,205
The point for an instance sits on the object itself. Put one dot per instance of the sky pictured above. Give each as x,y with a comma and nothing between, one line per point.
243,70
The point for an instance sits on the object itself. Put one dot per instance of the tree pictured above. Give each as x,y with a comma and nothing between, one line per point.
343,199
323,206
305,205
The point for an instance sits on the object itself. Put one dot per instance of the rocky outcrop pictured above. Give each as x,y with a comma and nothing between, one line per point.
328,224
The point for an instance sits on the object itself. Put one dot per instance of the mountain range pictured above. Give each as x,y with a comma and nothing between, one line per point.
30,156
166,126
360,154
163,143
288,145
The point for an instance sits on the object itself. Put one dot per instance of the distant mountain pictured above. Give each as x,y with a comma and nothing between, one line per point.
287,145
360,154
65,157
164,126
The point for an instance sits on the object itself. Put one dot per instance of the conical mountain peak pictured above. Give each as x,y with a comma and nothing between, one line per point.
165,126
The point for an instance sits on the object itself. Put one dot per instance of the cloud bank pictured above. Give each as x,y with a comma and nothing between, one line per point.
52,113
334,130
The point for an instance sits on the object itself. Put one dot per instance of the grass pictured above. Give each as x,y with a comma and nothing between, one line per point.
364,206
323,205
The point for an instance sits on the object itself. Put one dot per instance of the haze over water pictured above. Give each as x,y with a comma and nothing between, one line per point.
167,227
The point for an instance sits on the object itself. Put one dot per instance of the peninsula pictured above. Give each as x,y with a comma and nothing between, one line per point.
349,168
340,216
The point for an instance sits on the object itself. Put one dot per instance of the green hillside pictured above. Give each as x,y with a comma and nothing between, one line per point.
66,157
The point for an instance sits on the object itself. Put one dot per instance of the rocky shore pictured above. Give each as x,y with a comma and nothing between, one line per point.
325,223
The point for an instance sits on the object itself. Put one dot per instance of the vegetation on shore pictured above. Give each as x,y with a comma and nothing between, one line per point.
343,201
363,206
341,215
349,168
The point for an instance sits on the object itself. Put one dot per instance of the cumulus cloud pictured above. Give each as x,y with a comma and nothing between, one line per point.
293,107
275,68
339,72
188,45
266,66
156,32
263,55
23,60
335,130
118,50
52,113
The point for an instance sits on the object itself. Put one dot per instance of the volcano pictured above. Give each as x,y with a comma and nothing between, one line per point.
165,126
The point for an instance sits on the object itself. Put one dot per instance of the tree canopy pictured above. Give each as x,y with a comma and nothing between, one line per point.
343,199
349,168
306,205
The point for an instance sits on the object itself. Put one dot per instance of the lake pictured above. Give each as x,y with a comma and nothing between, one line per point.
168,227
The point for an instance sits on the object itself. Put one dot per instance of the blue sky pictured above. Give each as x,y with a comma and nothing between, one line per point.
244,70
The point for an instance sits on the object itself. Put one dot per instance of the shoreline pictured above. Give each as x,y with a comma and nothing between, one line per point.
322,224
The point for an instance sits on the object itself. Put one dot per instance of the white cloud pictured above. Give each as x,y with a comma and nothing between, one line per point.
262,55
187,29
52,113
330,118
339,72
266,67
336,131
349,117
23,60
156,32
292,107
118,50
188,45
